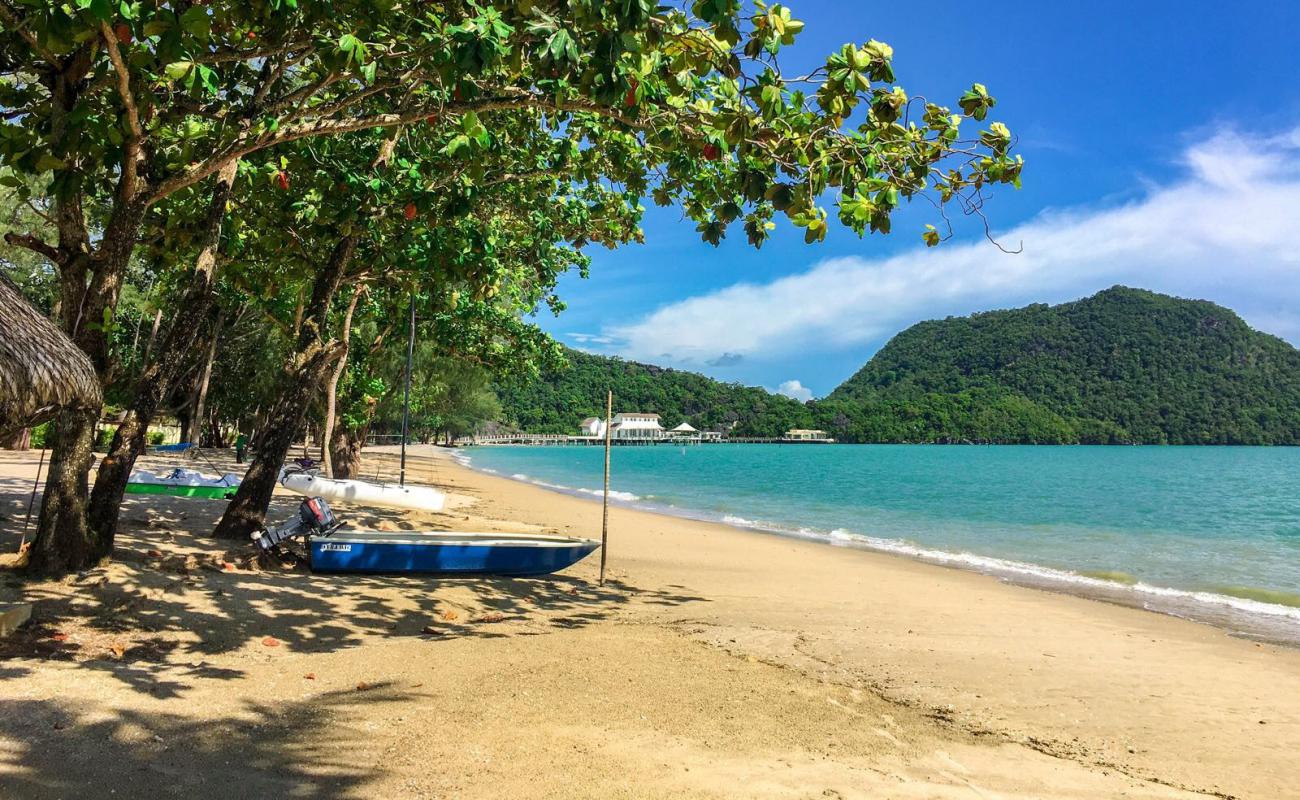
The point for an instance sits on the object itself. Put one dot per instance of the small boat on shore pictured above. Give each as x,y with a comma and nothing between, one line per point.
183,483
446,552
332,549
364,493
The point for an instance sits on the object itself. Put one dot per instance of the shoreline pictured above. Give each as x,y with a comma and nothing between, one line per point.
712,663
1245,617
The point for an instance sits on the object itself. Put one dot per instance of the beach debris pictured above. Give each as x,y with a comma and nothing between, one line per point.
362,686
226,566
270,641
431,630
154,553
490,617
311,676
118,650
448,615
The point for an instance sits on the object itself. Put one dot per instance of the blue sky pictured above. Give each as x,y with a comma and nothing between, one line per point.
1163,150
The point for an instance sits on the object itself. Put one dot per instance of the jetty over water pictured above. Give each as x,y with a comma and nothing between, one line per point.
561,440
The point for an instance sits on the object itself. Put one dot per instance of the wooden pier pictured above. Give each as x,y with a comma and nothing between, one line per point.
562,440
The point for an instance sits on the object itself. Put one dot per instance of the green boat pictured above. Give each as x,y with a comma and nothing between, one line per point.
183,483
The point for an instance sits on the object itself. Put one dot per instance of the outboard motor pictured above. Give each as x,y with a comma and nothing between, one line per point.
314,517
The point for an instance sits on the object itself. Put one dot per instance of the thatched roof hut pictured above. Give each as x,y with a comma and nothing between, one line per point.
41,370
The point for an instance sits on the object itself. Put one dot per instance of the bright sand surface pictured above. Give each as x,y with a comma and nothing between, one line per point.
713,663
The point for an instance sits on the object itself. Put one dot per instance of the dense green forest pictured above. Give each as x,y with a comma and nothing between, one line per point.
1124,365
558,399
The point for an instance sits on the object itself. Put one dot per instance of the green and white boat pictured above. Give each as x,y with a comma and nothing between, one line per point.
183,483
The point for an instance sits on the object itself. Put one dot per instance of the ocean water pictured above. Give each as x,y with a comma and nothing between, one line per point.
1209,533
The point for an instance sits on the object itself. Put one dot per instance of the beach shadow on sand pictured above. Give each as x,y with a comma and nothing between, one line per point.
303,748
173,598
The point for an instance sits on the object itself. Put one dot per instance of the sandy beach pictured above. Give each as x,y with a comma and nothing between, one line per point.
715,662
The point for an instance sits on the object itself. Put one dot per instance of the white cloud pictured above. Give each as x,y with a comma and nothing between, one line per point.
796,390
590,338
1227,230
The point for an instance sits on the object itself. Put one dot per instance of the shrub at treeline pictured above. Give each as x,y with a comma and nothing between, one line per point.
278,180
1123,366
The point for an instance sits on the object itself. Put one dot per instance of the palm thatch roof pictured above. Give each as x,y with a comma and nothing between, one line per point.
41,370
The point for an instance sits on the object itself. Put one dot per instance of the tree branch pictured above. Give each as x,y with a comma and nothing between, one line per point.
18,24
325,127
131,154
37,245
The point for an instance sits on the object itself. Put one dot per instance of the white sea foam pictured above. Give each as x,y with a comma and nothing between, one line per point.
626,497
1180,602
1041,574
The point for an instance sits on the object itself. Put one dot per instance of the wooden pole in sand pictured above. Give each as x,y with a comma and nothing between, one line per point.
31,501
604,525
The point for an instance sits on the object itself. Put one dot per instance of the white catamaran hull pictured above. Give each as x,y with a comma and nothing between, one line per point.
363,493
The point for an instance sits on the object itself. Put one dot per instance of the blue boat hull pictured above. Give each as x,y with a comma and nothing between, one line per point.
446,553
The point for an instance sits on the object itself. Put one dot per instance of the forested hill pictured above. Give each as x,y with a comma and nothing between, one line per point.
1124,365
557,400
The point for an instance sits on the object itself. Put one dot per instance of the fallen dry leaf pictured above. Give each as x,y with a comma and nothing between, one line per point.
227,566
311,676
491,616
449,615
362,686
271,641
59,637
155,554
118,650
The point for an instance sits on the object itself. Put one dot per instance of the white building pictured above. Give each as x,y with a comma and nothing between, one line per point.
592,426
636,426
684,429
805,435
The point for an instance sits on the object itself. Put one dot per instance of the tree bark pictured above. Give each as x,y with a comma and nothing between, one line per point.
332,390
314,355
345,452
153,337
130,439
63,541
246,512
205,378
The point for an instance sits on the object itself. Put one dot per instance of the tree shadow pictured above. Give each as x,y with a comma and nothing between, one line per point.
302,749
173,599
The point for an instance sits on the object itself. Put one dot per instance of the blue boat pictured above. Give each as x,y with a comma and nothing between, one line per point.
330,548
446,553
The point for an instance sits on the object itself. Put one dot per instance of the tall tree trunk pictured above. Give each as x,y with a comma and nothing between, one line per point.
205,378
63,541
246,512
332,389
345,451
153,337
314,355
130,439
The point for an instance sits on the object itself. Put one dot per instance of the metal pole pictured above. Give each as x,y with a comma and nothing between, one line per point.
406,403
604,525
32,500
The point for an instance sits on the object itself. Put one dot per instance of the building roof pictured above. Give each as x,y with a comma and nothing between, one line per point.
685,427
636,414
588,421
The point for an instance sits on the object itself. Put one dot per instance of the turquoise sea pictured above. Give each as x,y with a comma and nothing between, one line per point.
1208,533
